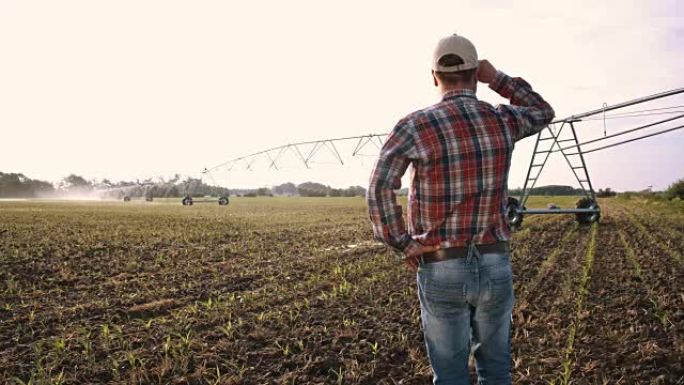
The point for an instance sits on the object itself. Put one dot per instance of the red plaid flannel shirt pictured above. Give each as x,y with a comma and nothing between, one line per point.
460,151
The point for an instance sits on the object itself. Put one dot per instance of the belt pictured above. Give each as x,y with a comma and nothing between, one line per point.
462,252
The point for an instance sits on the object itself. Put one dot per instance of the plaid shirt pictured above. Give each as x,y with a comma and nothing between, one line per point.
460,151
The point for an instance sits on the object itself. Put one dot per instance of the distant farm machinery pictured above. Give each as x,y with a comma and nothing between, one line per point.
148,198
189,201
560,134
130,191
148,190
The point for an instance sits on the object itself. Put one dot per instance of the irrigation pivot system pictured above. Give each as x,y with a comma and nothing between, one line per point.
559,136
562,136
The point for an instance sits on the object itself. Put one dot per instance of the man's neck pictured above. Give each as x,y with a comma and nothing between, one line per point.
448,89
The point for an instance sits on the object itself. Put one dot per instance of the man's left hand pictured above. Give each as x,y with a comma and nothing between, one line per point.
413,259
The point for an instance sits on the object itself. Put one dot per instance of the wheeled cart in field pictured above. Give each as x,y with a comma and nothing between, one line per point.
148,198
189,201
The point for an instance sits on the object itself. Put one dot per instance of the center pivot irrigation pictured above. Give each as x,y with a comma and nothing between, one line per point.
559,136
562,136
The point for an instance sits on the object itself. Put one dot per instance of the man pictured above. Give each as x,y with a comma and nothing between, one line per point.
460,152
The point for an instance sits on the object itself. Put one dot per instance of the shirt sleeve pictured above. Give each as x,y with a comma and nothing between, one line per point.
528,112
398,151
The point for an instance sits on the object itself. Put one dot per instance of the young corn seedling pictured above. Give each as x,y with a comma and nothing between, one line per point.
374,348
339,375
219,378
294,315
59,346
166,346
346,322
185,342
133,361
284,349
87,345
105,335
227,329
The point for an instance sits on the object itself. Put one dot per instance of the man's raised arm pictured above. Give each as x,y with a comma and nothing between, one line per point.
528,112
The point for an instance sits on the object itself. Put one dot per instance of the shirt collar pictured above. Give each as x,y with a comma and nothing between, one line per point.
450,95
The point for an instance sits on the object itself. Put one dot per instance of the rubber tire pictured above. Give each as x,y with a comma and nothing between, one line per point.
149,199
588,218
515,218
223,201
126,198
187,201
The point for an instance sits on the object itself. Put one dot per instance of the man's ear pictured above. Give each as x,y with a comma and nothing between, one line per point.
434,78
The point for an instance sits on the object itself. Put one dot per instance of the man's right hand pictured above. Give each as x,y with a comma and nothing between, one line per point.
486,72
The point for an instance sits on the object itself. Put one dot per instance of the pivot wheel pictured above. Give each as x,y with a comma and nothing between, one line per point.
223,201
187,201
588,217
513,214
149,199
126,198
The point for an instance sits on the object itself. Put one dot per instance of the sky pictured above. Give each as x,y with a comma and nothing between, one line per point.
139,89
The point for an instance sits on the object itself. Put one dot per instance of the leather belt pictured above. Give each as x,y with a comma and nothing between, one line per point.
462,252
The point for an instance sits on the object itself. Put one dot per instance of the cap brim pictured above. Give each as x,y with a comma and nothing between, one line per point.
456,68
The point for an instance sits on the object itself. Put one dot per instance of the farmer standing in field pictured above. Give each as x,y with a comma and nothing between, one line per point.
457,239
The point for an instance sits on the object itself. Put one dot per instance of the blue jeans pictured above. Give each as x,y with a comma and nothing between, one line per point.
467,303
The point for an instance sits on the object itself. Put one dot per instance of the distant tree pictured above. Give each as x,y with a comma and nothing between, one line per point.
75,184
264,192
607,193
548,190
41,188
355,191
172,191
312,189
17,185
675,190
14,185
106,182
173,180
285,189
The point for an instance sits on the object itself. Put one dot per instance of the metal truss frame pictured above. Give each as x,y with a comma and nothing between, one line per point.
303,151
573,152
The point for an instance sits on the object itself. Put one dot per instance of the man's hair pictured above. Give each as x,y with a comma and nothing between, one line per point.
452,78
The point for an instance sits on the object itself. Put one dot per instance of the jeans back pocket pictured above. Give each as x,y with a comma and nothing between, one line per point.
442,299
499,292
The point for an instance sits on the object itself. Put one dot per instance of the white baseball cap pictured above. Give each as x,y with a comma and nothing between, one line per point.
455,45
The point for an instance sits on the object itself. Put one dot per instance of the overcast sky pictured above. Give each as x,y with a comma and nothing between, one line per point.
136,89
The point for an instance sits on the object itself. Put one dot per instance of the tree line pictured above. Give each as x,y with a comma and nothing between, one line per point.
554,190
306,189
18,185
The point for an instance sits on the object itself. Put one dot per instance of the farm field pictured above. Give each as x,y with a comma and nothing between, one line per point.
294,291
